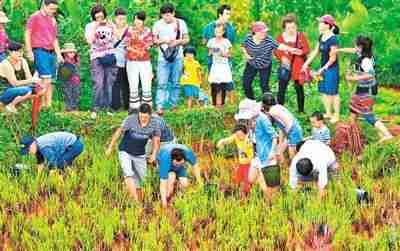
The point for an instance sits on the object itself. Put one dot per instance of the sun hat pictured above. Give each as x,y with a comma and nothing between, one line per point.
3,18
259,27
68,47
327,19
26,141
248,109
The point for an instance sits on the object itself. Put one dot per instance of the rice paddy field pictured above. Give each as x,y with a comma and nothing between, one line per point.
87,206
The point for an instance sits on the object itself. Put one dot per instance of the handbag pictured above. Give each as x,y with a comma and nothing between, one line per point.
284,71
110,59
171,53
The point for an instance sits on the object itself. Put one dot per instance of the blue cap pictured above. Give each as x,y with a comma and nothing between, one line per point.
26,141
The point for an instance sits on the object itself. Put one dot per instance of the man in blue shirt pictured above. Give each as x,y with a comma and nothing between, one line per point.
56,150
172,160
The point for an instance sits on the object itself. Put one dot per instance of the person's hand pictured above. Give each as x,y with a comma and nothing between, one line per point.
60,59
247,56
30,56
152,158
285,61
297,52
304,68
108,152
320,71
349,77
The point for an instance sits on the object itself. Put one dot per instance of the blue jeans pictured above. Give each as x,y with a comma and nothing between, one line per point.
72,152
11,93
103,78
168,88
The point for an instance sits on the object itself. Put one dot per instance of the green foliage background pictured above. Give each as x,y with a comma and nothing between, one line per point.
377,18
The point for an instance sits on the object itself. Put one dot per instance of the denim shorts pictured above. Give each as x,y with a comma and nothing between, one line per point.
134,167
229,87
11,93
180,172
3,55
295,135
45,63
191,91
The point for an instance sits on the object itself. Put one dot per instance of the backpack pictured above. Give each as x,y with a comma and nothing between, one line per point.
348,137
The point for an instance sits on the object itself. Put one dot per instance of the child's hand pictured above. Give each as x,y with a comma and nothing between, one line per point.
220,144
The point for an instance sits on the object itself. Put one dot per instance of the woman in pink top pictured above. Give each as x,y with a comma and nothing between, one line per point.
138,65
100,35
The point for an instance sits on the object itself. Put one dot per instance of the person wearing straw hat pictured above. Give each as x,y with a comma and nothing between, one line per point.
265,138
56,150
69,74
4,41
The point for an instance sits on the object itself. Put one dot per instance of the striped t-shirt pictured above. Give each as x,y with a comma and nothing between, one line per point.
261,53
322,134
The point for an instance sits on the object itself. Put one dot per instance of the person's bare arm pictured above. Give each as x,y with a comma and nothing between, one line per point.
156,148
114,140
245,53
28,45
331,61
311,58
91,34
58,51
346,50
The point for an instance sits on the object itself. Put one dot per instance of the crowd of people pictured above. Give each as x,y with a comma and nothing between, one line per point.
122,77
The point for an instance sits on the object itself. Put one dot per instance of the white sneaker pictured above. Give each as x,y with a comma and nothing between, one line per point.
11,109
93,115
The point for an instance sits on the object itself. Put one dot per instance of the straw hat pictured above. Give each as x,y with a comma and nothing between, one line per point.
3,18
68,47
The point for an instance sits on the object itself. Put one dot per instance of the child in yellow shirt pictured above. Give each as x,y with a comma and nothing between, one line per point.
244,145
192,76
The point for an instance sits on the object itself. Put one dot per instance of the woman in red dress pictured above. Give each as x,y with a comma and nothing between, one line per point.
292,61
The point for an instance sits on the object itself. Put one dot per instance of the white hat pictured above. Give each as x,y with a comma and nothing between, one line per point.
248,109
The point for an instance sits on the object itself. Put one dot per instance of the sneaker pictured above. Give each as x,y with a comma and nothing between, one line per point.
93,115
11,109
110,114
